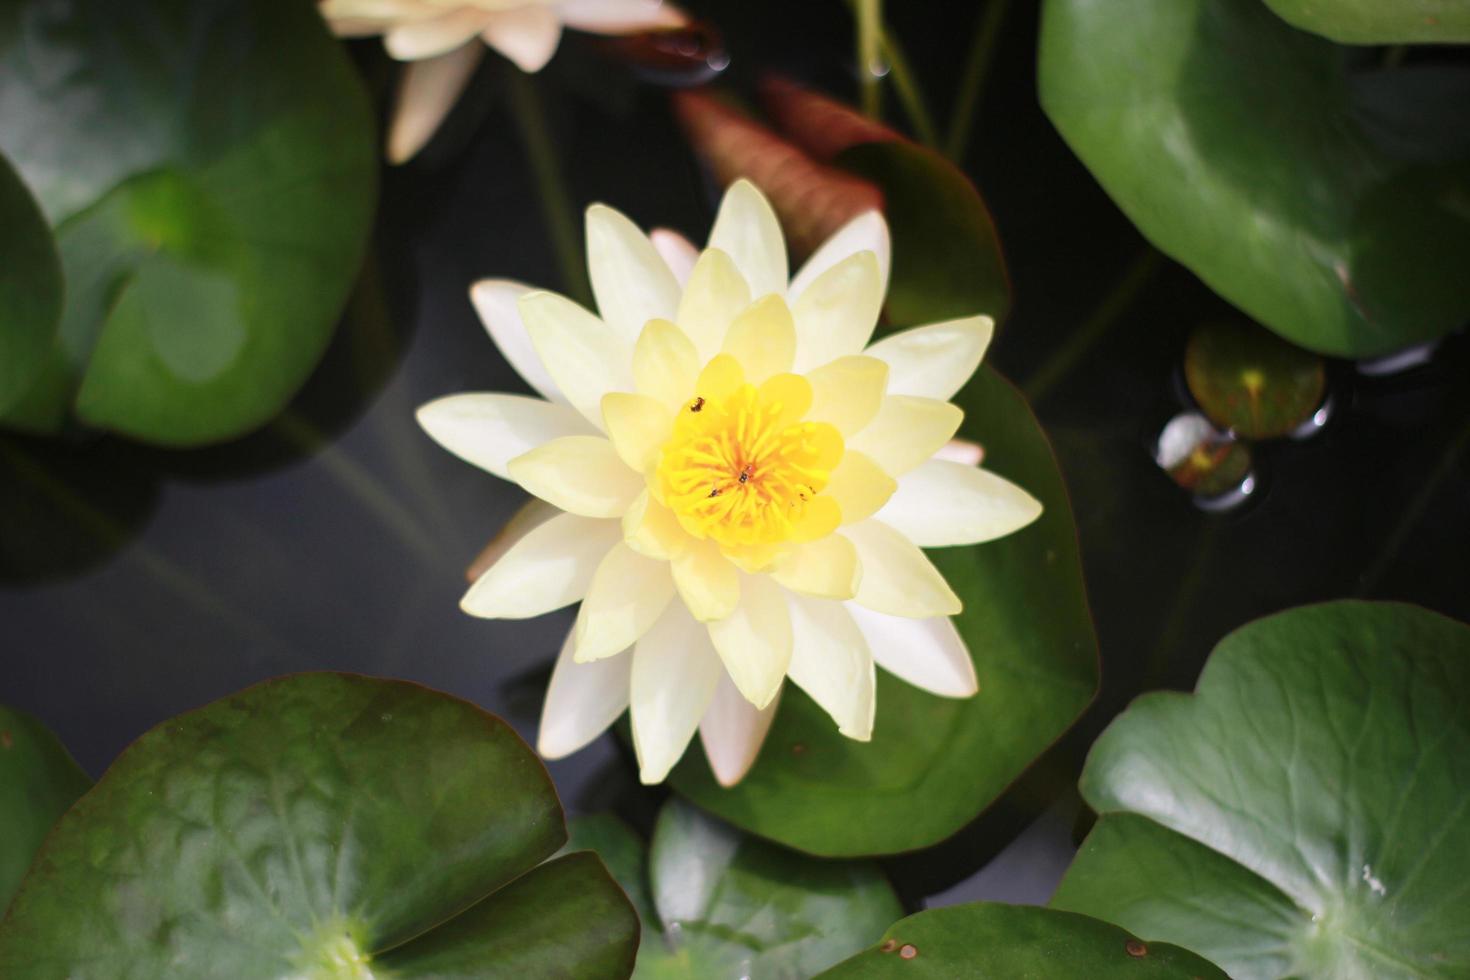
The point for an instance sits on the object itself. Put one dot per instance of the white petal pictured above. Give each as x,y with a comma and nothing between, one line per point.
490,430
746,229
678,251
755,640
906,431
936,360
582,701
630,279
939,503
551,567
897,577
528,36
836,314
927,653
708,582
580,474
529,516
830,661
584,356
675,671
497,303
961,451
620,16
427,90
868,231
431,37
732,731
628,594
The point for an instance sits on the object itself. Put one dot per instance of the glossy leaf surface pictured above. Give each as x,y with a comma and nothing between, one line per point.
38,781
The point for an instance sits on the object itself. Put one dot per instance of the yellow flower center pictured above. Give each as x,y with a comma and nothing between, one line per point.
743,468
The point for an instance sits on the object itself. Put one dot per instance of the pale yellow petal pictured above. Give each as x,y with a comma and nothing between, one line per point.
940,503
677,251
755,641
733,730
859,486
827,568
580,474
927,653
550,567
747,230
651,529
707,582
638,427
714,295
762,339
822,516
836,314
906,431
675,672
936,360
720,378
489,430
848,392
631,281
665,364
583,355
527,35
628,594
497,301
867,232
581,701
831,662
898,578
430,37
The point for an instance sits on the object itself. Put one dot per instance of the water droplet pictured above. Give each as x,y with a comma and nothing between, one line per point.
878,68
680,57
1399,361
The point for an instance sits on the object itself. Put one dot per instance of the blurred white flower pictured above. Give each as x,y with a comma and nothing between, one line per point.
732,481
440,39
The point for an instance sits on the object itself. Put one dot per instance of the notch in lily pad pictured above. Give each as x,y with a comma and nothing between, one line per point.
319,826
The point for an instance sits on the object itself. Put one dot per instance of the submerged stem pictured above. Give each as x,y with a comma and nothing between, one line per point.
530,116
869,14
908,91
972,81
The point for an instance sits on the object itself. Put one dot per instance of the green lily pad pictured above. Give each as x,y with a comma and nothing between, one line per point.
1303,814
992,940
1335,216
320,826
718,905
947,261
208,167
1252,382
1377,22
30,287
38,781
935,763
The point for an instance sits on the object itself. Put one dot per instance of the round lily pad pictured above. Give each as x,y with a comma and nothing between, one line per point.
719,905
1376,22
319,826
1330,215
1252,382
208,168
992,940
30,287
1303,813
935,763
38,781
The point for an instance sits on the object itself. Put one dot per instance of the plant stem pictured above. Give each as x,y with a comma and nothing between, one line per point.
908,91
530,116
869,15
1114,304
972,82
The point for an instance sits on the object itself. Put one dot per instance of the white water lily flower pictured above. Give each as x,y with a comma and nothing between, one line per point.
439,39
731,480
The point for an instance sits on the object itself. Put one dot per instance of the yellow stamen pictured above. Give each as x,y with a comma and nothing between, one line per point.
741,467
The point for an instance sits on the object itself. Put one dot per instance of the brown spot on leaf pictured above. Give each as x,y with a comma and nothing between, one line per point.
6,741
909,951
889,945
1136,948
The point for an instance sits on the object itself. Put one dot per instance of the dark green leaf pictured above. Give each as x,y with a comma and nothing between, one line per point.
304,827
1016,941
38,781
1245,150
1303,814
1252,382
947,261
1378,21
30,287
935,763
209,170
726,906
